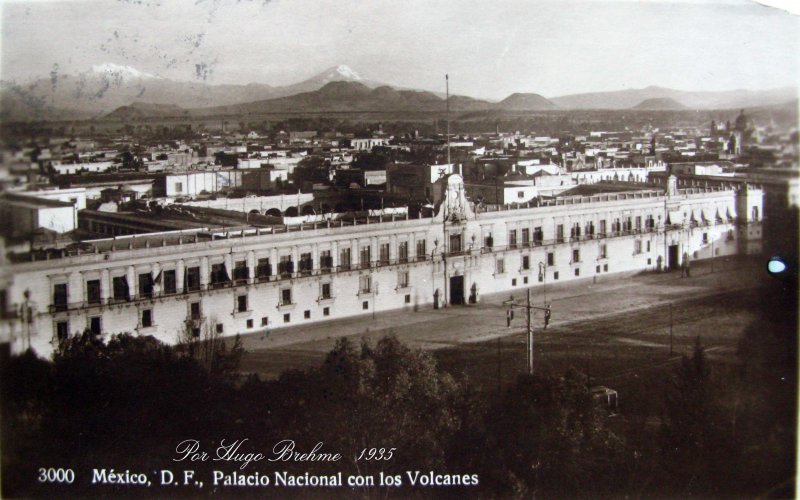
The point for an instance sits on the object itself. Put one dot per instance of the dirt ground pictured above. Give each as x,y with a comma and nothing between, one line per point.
611,328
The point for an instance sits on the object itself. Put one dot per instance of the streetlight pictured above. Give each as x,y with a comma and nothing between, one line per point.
543,279
374,298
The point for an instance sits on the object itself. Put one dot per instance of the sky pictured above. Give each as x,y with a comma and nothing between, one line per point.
489,48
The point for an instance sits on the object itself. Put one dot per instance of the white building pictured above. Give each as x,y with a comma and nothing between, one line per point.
88,167
196,182
367,144
23,214
173,284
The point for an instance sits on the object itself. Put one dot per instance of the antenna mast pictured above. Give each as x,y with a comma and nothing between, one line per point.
447,104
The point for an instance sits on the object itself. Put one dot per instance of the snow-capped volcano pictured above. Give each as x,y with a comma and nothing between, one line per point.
338,74
118,71
346,72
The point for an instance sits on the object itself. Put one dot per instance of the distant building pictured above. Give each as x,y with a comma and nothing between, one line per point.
363,178
75,168
416,181
367,144
23,214
196,182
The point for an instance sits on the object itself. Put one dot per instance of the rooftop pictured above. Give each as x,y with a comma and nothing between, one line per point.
18,199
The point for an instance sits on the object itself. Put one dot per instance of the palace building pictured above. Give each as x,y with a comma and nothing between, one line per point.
199,281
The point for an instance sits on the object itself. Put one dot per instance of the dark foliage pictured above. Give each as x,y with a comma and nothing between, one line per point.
130,400
313,169
549,438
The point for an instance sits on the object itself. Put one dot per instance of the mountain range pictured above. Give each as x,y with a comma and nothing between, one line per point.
125,93
726,99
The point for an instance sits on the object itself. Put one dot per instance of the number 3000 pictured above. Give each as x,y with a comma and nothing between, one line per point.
51,475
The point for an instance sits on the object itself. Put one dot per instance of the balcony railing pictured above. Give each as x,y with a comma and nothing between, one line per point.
220,284
341,268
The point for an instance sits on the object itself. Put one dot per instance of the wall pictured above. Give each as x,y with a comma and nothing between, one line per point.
260,203
194,183
70,195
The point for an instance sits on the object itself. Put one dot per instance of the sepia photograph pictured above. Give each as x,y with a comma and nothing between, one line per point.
378,249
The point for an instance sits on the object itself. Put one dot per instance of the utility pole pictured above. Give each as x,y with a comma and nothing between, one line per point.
512,304
498,369
666,216
670,329
374,298
445,190
712,253
530,333
447,114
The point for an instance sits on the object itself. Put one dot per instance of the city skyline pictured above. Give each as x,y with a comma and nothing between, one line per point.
553,49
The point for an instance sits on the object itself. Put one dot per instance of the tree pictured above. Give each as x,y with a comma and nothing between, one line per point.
313,169
764,413
210,350
549,437
371,161
695,443
384,396
225,159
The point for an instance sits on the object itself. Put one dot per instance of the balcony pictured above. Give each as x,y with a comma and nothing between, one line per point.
214,285
241,281
286,271
63,307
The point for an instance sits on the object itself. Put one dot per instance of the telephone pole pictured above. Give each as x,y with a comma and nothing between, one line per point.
530,333
445,191
512,304
670,329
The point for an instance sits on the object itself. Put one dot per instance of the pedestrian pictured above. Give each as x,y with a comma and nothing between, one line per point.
688,269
